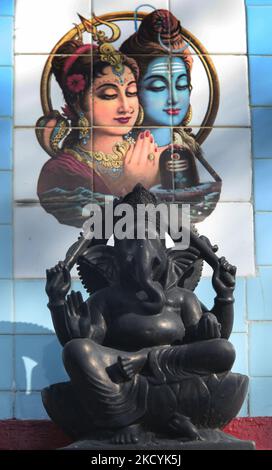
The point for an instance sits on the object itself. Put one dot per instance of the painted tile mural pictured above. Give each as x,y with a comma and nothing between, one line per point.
156,94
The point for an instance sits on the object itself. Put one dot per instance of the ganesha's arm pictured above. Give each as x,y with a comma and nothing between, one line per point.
95,308
58,312
73,318
223,309
191,313
223,281
224,312
58,284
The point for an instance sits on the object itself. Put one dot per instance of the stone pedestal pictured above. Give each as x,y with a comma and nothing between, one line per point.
213,439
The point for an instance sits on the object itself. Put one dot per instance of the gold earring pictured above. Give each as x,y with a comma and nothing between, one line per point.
84,131
188,116
140,117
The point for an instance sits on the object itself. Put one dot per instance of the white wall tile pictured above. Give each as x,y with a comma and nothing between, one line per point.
230,226
234,92
228,151
39,241
29,158
28,72
39,25
219,25
108,6
234,96
127,27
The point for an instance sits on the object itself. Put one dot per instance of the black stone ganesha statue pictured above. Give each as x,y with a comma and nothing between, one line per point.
144,355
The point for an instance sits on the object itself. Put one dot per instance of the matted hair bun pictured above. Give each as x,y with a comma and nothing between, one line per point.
159,33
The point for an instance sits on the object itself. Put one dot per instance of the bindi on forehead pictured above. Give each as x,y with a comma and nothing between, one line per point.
125,78
114,80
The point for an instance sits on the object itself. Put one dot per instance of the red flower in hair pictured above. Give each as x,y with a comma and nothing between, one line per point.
76,82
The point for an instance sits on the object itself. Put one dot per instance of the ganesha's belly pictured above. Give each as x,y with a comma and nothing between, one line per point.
132,331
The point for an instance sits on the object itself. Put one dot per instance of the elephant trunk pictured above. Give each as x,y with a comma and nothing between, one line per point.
155,296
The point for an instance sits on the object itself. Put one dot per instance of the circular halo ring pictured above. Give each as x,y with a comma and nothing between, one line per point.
194,43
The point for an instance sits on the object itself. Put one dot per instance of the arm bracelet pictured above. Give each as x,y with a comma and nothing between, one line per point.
222,300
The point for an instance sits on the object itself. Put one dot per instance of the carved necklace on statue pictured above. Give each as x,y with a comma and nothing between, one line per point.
107,163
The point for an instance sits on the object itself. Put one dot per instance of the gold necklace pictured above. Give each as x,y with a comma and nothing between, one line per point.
107,161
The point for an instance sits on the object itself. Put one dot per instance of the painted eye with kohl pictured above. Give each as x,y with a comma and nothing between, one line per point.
164,91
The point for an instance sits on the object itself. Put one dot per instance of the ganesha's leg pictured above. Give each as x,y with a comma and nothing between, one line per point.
204,357
108,402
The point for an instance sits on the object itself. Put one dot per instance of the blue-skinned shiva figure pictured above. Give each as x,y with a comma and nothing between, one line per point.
167,81
164,90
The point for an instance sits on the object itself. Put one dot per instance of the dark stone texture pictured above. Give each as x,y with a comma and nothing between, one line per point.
145,357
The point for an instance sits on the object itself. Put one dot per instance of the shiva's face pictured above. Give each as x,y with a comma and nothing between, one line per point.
164,92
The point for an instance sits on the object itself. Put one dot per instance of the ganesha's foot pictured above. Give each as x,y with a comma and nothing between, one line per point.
183,427
128,435
129,366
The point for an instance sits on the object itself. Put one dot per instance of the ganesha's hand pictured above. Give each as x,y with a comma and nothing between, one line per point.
58,282
208,327
223,279
141,164
78,315
205,239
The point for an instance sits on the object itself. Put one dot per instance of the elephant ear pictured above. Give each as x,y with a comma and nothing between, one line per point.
187,272
98,268
185,267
